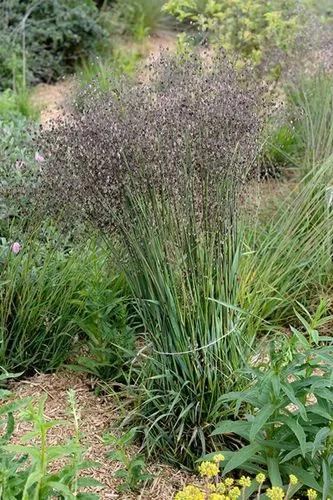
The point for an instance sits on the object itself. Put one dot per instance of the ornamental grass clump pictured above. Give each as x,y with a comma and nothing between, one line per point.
164,164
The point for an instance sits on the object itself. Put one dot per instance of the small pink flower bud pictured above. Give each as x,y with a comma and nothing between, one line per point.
38,157
16,247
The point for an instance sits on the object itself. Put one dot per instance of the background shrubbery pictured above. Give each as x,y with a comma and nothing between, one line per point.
41,40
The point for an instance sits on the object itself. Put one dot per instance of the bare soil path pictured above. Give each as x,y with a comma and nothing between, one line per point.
54,100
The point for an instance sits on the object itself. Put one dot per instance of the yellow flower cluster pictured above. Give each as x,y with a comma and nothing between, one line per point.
260,478
235,493
208,469
275,493
190,493
293,479
245,482
229,489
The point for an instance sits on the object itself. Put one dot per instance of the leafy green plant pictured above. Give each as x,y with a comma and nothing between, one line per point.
281,148
285,417
103,318
25,467
133,472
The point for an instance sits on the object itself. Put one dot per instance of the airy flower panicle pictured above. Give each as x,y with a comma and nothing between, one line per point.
312,494
218,458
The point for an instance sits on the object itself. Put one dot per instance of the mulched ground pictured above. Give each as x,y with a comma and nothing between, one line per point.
98,415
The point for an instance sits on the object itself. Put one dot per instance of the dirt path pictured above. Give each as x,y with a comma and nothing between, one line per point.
98,415
54,100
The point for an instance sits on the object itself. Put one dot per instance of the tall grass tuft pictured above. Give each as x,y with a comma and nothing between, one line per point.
182,272
288,260
45,307
311,106
138,18
169,158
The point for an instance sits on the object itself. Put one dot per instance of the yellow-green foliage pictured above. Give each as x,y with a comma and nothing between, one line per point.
247,27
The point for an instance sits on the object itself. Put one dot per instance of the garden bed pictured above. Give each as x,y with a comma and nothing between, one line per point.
99,414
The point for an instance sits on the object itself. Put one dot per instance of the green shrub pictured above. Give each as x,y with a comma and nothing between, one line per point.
288,423
37,289
39,41
137,18
252,29
300,135
281,148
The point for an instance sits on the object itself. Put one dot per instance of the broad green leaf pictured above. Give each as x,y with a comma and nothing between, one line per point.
25,450
319,439
84,482
297,451
32,479
327,479
61,488
87,496
241,456
117,455
260,420
274,471
303,476
297,429
319,410
234,427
